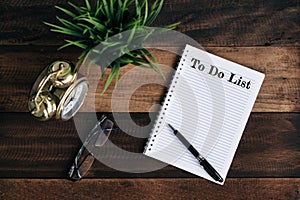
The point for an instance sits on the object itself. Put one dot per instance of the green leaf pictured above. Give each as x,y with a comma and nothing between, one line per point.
53,25
127,3
119,14
78,9
112,7
148,54
109,79
64,46
154,63
137,9
81,59
68,43
132,24
88,6
146,12
118,68
99,8
131,35
77,43
106,9
68,24
143,65
171,26
78,17
100,27
64,30
66,11
68,32
155,10
93,61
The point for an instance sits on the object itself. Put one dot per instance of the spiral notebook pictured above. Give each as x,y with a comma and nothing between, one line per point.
209,101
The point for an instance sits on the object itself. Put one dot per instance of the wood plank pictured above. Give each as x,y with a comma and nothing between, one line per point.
20,66
211,23
253,188
269,147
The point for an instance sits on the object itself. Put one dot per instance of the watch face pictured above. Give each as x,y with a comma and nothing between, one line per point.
74,100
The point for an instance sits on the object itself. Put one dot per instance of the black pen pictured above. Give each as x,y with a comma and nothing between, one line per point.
203,162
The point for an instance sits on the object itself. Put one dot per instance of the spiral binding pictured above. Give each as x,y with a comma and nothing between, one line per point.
159,120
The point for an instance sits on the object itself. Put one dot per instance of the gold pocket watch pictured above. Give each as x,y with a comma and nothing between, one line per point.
58,91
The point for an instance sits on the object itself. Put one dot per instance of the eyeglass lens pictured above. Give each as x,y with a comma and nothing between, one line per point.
84,159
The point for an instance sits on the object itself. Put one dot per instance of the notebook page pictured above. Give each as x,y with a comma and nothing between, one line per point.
209,102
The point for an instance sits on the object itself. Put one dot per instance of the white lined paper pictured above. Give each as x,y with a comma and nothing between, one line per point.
210,112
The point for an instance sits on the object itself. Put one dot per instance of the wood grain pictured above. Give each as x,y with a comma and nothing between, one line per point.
258,188
263,35
269,147
20,66
211,23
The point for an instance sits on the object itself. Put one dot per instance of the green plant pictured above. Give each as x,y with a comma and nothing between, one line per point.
97,21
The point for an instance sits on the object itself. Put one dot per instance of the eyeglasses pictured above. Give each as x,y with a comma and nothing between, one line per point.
85,158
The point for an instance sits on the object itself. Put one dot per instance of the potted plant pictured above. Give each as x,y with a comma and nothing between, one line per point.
98,20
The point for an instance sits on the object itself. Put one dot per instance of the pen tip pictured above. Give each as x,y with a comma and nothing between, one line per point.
171,127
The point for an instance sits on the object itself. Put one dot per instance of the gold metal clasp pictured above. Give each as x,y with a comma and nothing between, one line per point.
64,75
57,76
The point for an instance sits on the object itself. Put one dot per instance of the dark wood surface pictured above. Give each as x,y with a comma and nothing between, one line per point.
151,188
269,148
279,93
35,156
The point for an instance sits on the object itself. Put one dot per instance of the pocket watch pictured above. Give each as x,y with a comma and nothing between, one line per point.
58,91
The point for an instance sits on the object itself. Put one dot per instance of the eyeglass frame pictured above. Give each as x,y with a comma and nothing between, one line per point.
74,172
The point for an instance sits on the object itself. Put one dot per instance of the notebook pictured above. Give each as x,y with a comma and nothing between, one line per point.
209,102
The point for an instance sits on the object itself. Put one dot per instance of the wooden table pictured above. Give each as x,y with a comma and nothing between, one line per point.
263,35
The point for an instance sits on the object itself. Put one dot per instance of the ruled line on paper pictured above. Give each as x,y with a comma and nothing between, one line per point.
215,111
